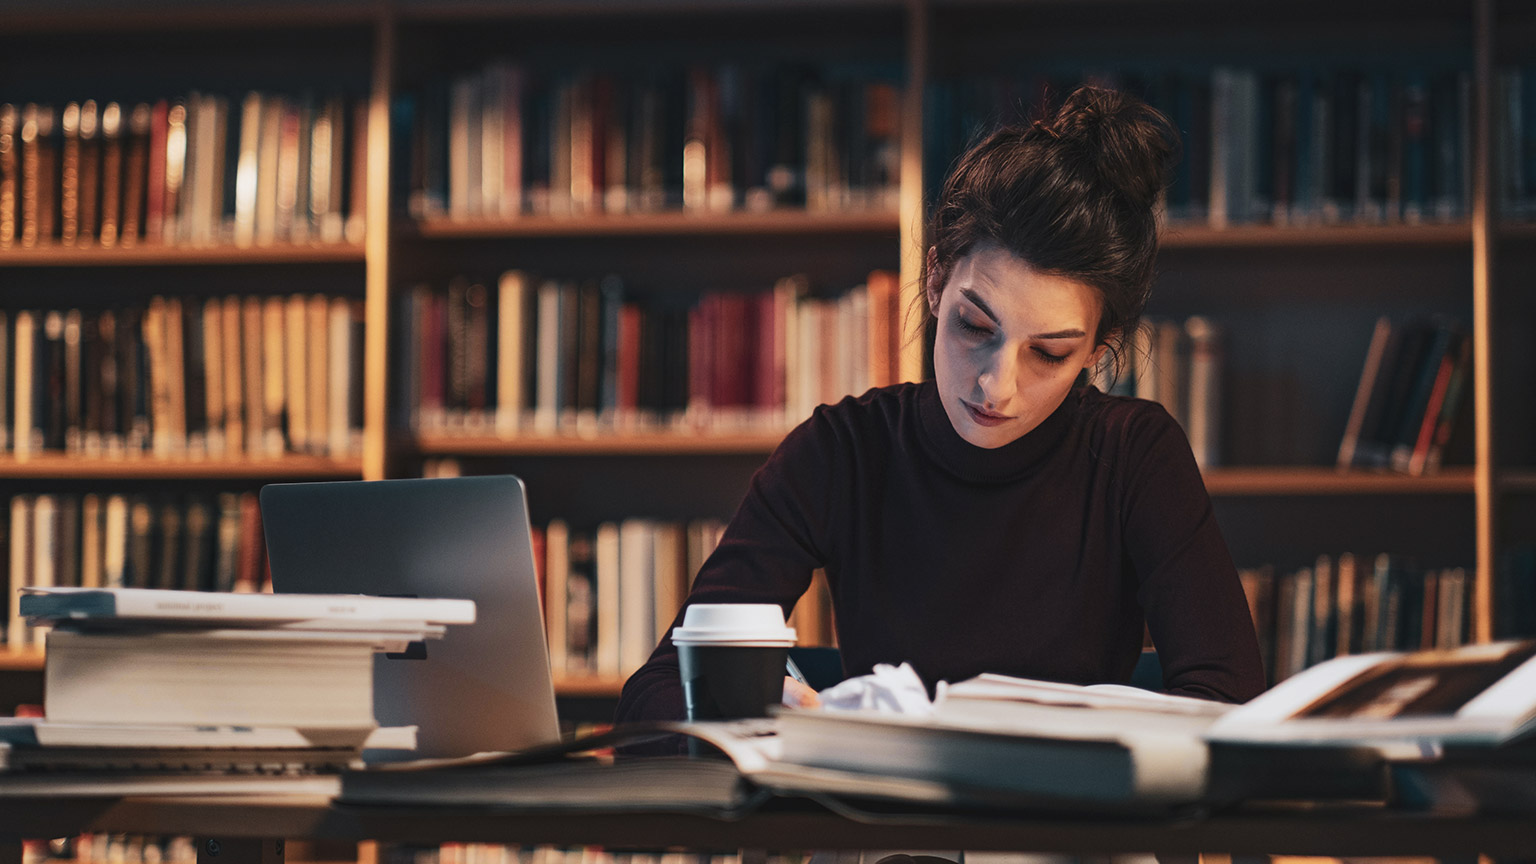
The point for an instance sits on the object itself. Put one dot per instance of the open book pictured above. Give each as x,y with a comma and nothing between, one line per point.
1475,694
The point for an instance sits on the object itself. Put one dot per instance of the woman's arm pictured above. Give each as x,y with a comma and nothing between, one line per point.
773,543
1195,607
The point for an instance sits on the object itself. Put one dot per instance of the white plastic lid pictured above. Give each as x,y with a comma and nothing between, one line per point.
742,624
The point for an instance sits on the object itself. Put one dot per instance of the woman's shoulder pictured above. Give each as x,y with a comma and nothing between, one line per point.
878,407
1126,420
865,419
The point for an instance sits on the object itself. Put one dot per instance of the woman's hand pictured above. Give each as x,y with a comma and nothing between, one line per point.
798,695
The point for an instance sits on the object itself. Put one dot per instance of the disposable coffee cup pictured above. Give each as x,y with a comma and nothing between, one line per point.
732,657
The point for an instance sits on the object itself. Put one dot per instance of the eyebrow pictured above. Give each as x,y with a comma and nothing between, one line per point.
981,304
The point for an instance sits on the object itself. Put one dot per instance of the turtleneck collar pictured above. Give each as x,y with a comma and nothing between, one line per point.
982,465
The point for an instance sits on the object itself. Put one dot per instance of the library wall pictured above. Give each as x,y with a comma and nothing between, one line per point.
703,172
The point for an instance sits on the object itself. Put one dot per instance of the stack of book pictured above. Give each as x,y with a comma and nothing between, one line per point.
143,679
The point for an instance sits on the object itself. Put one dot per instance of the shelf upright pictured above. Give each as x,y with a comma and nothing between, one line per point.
1483,306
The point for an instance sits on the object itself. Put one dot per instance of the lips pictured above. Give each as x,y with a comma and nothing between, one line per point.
984,418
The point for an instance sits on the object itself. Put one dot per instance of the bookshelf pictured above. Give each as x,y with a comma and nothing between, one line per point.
1296,301
157,255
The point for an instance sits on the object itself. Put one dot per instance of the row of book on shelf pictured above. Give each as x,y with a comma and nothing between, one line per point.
1514,141
191,542
550,355
185,377
1180,365
1411,388
1283,146
509,139
1344,604
103,848
612,590
189,170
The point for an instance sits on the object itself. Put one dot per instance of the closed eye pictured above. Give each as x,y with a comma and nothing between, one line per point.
973,329
1053,359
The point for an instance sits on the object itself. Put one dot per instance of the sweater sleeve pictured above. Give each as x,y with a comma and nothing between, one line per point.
1195,608
767,555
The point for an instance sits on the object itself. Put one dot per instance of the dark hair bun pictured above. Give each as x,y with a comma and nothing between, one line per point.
1131,145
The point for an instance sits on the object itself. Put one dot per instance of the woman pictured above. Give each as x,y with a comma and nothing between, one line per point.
1001,518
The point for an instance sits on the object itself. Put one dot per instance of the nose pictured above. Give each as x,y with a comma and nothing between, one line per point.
999,381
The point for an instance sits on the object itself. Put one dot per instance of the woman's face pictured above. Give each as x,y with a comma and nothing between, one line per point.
1010,343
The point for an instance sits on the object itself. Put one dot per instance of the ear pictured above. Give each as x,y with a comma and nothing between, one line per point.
932,284
1095,356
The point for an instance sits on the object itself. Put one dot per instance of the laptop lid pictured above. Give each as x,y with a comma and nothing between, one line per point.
481,687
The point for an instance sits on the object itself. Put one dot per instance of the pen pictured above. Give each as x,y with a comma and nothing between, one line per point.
794,671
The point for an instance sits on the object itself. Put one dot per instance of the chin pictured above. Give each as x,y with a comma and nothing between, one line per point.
990,437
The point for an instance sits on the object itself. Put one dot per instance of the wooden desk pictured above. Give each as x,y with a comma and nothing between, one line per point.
785,825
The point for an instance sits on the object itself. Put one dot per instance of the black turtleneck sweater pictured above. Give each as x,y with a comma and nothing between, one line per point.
1040,559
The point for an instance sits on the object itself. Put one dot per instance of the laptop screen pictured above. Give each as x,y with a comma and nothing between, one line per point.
481,687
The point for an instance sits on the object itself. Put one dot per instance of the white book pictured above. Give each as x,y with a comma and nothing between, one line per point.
1204,409
16,635
242,678
51,733
546,416
609,597
23,440
1476,694
152,604
114,542
557,540
492,147
245,169
339,369
511,335
461,103
45,529
637,593
90,541
213,374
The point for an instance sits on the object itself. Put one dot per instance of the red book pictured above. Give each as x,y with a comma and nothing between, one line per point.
1431,419
154,209
602,111
536,542
768,359
701,349
434,327
729,332
629,358
251,569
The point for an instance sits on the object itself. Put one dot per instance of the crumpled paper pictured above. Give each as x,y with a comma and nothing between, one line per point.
888,689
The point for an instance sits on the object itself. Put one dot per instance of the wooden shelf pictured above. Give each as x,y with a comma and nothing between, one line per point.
1516,231
58,466
1247,236
160,255
788,222
654,444
21,660
186,16
1331,481
1518,481
588,687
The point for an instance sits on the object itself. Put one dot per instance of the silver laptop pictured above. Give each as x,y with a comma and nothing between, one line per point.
481,687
